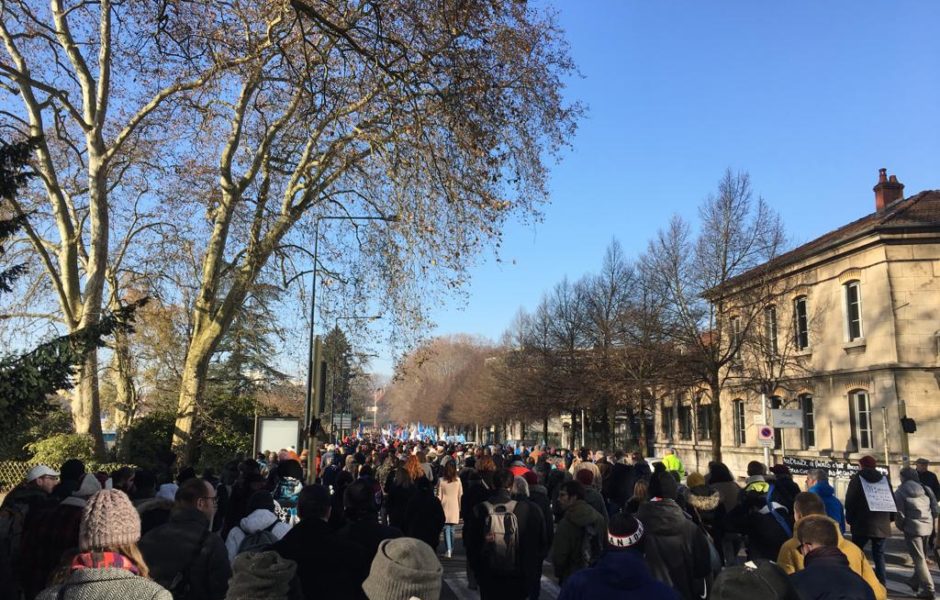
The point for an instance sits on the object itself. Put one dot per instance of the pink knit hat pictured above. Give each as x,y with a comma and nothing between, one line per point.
108,520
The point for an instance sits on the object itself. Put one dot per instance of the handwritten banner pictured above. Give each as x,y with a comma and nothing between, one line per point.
836,468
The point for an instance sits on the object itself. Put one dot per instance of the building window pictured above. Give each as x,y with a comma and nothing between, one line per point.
685,422
736,339
809,421
740,423
669,423
776,402
853,311
770,330
704,421
800,323
861,420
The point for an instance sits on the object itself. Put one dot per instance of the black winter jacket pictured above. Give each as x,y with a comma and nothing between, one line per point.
862,521
827,576
328,566
676,549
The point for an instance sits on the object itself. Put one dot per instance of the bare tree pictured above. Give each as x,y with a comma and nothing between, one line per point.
696,273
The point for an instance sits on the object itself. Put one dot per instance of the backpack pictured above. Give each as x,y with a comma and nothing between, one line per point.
591,546
259,541
501,538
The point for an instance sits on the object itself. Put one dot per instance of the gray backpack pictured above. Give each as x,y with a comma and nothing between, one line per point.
259,541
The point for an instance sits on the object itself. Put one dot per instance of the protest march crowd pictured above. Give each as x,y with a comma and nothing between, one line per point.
384,516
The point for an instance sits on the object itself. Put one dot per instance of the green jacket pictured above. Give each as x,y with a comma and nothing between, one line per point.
566,548
672,463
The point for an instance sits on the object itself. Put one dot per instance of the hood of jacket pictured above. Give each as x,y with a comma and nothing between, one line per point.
704,498
154,504
871,475
538,489
259,519
757,484
580,513
912,489
623,569
823,489
662,516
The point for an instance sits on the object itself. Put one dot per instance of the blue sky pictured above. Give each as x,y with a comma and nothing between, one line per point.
811,98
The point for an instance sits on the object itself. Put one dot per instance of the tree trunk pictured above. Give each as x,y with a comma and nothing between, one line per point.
126,398
86,406
644,433
545,431
716,420
192,386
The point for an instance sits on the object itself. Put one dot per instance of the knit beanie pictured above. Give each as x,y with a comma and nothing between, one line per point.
757,579
531,478
624,531
404,568
867,462
663,485
261,499
72,470
108,520
260,576
695,480
585,477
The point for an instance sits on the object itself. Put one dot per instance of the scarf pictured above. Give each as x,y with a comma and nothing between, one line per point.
103,560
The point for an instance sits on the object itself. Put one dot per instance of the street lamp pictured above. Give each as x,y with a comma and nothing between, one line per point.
308,404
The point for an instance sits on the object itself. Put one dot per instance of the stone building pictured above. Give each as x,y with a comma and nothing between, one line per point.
857,329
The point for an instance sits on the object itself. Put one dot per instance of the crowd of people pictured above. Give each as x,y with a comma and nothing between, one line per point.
382,519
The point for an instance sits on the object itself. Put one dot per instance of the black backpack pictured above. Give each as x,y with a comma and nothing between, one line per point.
259,541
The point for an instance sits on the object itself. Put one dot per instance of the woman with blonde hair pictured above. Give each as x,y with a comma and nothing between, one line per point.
108,563
414,468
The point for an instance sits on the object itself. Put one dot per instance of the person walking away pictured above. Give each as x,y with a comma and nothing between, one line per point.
826,574
764,523
579,535
867,525
755,579
704,504
676,550
478,489
785,489
507,535
593,497
32,496
817,482
641,468
790,558
449,492
621,572
538,494
424,515
46,539
259,530
672,463
184,556
404,569
520,493
265,575
328,565
928,479
917,509
362,520
108,563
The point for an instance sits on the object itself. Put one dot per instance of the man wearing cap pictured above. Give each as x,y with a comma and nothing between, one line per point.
865,524
621,571
24,502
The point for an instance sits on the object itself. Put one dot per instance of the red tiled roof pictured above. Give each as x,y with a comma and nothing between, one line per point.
918,212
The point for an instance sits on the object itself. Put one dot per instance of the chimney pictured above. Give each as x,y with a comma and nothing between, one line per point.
888,190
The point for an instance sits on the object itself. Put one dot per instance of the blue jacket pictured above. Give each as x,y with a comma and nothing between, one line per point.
618,575
833,506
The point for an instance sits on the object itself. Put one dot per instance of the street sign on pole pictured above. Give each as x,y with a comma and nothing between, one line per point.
787,418
765,436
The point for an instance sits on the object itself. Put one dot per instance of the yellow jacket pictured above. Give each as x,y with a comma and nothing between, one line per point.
791,560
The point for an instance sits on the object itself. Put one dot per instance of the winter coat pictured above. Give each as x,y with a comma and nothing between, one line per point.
398,498
827,576
538,494
531,548
264,575
618,575
834,508
790,560
424,518
917,509
46,540
672,463
676,550
368,533
153,513
785,491
328,564
566,549
449,493
258,519
705,504
106,584
753,518
862,521
729,492
929,479
173,547
594,498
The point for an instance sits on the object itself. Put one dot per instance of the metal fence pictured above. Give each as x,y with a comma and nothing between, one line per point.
12,472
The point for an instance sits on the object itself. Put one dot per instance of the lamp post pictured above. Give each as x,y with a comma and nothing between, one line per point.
308,404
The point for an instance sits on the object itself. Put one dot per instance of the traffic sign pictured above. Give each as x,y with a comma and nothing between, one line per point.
787,418
765,436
